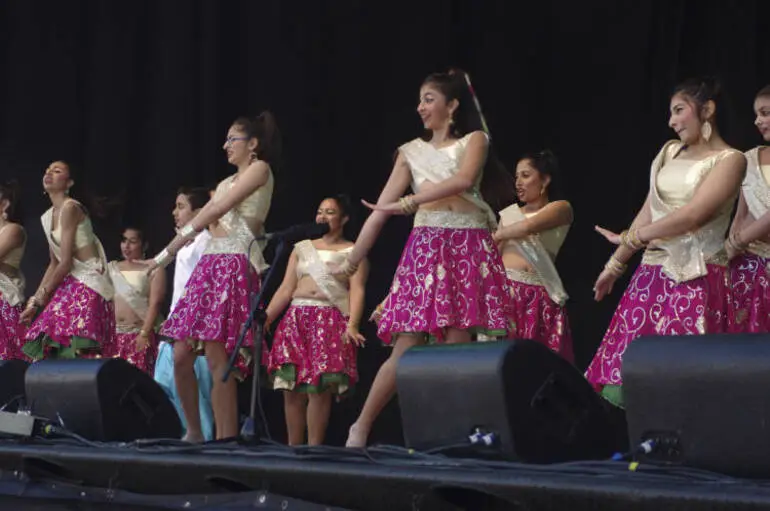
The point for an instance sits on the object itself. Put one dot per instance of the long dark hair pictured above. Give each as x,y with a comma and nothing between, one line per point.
547,165
265,129
99,206
11,191
497,182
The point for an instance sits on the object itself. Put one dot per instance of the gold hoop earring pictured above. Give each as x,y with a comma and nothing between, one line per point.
705,131
252,157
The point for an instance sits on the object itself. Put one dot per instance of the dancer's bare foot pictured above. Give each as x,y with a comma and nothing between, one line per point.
357,436
193,439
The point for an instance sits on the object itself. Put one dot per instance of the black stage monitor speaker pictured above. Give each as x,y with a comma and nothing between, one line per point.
539,406
12,384
104,399
705,399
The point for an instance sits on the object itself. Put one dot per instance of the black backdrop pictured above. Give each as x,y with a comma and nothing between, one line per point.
139,95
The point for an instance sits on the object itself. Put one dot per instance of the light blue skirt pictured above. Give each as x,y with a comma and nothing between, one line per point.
164,375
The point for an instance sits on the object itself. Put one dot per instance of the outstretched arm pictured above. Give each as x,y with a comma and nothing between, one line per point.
553,214
722,183
253,177
617,263
397,184
473,161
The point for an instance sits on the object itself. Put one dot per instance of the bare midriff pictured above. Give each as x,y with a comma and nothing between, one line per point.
125,315
454,203
218,232
307,288
87,252
513,260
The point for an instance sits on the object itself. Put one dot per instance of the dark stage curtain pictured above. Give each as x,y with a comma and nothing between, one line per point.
138,94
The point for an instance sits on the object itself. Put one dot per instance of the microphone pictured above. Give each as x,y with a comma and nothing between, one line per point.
297,232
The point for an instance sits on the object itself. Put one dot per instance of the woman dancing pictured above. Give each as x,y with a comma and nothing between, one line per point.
680,287
73,304
450,281
748,245
189,202
138,300
314,346
13,239
532,236
216,301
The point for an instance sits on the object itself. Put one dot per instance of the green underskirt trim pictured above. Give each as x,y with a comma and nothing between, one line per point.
285,378
45,347
613,394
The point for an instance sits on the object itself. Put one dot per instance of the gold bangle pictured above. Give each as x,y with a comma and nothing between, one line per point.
143,333
630,239
404,206
408,205
637,240
615,266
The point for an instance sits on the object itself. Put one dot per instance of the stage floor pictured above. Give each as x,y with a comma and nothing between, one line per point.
379,478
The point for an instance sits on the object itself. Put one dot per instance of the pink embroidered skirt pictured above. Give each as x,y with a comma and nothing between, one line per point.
749,294
215,305
309,353
11,332
76,322
535,316
653,304
450,275
125,348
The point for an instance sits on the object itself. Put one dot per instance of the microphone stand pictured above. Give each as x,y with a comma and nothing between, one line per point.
252,431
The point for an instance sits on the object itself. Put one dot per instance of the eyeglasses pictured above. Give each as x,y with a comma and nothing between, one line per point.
230,140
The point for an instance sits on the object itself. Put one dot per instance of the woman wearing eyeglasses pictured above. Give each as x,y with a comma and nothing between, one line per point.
217,298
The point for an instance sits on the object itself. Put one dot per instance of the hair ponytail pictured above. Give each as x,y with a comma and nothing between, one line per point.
98,206
497,184
265,129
